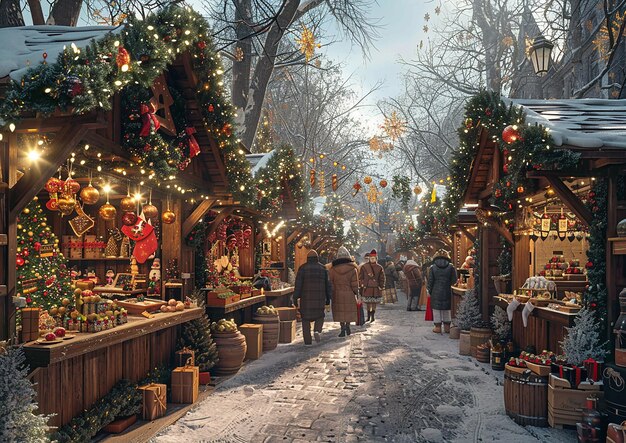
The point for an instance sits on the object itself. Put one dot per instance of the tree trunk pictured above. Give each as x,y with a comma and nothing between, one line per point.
242,69
36,12
263,71
65,13
10,14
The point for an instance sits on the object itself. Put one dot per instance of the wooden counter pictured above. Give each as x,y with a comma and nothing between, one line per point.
240,311
71,376
545,330
280,298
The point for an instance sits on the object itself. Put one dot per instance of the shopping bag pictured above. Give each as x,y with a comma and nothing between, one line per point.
360,313
429,311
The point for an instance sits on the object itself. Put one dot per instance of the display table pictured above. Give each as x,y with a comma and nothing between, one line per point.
281,298
241,311
545,330
72,375
112,292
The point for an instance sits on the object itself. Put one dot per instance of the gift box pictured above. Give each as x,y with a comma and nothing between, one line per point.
286,314
574,375
185,357
594,369
154,402
30,324
75,246
287,331
92,249
185,383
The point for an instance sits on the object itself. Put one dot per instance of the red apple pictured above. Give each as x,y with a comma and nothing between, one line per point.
59,332
50,336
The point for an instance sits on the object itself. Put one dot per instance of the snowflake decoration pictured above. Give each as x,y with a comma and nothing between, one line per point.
508,41
393,126
438,10
307,43
427,16
369,220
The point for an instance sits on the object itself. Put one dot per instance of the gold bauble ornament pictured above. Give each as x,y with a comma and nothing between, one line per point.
168,217
107,211
89,195
26,211
367,180
127,204
150,211
66,204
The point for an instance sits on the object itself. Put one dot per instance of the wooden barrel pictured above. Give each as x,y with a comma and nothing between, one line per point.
526,397
231,350
498,360
478,336
271,330
455,332
483,354
464,343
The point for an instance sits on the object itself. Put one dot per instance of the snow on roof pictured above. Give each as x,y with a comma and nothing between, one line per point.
583,123
23,47
259,161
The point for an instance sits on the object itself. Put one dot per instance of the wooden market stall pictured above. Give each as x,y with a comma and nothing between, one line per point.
554,223
463,242
155,157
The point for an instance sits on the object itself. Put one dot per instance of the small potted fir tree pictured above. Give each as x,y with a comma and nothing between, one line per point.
467,316
501,334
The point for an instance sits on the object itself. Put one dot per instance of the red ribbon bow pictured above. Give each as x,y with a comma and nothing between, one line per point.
592,367
148,118
194,147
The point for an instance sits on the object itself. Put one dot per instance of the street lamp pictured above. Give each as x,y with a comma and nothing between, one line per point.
539,53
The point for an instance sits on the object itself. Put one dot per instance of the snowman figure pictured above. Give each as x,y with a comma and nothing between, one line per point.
154,277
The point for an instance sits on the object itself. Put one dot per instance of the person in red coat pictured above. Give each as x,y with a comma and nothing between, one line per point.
372,279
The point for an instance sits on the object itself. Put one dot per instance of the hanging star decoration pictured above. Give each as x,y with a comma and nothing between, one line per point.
393,126
307,43
379,146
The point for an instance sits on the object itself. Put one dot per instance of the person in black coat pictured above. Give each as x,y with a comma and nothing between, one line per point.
311,294
441,278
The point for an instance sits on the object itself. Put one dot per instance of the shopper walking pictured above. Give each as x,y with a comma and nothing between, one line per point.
414,278
344,278
372,279
391,277
441,277
311,294
403,284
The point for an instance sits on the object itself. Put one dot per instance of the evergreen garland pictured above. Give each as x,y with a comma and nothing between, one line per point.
123,400
18,420
401,190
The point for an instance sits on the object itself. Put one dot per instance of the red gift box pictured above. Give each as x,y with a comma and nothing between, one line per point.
594,369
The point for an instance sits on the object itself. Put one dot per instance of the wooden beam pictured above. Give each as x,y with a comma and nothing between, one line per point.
468,234
56,124
35,178
571,200
196,215
295,235
476,163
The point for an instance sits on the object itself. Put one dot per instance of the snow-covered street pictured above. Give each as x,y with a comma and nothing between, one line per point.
391,381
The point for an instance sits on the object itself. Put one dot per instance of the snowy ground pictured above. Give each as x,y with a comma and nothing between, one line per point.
393,380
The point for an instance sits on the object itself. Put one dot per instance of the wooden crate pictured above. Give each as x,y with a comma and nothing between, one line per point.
286,314
254,340
287,331
565,405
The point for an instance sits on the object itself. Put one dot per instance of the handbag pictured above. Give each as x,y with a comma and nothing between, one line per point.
360,313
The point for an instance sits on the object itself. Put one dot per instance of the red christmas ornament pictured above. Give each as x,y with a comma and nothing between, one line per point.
19,260
498,193
589,265
54,185
211,108
72,186
505,168
227,129
508,184
520,189
37,246
411,228
201,44
129,218
592,194
488,112
510,134
122,59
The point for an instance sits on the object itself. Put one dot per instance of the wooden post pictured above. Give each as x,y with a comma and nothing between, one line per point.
171,241
485,279
521,257
611,263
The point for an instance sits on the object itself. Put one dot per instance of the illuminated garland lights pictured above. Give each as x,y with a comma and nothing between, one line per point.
83,80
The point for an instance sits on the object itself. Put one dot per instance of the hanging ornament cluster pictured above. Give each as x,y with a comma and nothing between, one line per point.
233,232
374,195
54,186
379,146
67,197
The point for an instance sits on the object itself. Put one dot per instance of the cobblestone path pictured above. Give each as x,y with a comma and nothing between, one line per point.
393,380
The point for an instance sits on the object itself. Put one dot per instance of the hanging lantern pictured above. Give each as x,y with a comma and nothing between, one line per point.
539,53
107,211
510,134
367,180
122,59
417,190
383,183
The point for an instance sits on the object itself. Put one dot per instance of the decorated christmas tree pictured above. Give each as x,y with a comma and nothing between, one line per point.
18,421
43,276
468,312
583,339
196,335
